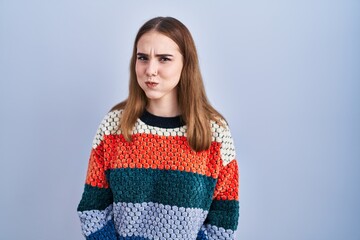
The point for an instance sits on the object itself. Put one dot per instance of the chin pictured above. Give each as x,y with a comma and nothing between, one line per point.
153,96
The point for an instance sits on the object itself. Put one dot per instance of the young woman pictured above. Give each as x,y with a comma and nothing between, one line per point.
162,165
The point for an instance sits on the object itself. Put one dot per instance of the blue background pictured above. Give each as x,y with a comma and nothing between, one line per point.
285,74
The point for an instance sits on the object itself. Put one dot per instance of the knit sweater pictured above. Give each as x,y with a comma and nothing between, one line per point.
156,186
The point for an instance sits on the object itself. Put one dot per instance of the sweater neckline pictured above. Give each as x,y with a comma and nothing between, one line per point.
161,122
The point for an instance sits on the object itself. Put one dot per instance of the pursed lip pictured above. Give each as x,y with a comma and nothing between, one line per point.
151,84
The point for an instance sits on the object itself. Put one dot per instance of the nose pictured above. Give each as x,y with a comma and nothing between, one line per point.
152,68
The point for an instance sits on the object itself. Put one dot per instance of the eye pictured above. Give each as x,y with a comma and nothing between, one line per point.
142,58
164,59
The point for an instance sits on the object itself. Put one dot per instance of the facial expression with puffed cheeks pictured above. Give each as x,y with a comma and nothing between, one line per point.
158,66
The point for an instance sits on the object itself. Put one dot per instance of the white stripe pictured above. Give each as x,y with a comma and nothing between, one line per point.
222,135
108,126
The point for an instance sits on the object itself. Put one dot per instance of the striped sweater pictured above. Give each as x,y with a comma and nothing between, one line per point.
156,186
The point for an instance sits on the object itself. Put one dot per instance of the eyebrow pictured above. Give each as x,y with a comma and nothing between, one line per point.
157,55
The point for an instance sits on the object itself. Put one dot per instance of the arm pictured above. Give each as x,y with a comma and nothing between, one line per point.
95,208
222,219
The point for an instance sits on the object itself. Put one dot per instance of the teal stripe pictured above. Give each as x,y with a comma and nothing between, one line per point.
224,213
95,198
182,189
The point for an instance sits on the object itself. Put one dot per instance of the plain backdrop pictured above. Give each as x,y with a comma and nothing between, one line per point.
285,74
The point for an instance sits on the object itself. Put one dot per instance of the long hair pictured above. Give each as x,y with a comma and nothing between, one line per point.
196,111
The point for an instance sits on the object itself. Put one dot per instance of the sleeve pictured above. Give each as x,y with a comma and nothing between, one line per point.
95,209
222,219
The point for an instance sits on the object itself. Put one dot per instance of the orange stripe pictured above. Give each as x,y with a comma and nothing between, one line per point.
95,173
160,152
228,183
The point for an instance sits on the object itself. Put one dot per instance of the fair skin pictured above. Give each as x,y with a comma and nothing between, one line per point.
158,69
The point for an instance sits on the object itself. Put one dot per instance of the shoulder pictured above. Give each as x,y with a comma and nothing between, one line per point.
108,125
221,134
220,130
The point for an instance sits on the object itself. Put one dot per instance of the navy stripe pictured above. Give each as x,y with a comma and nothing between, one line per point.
224,213
201,236
95,198
182,189
161,122
108,232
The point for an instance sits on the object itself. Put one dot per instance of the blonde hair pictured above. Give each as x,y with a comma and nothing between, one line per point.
196,111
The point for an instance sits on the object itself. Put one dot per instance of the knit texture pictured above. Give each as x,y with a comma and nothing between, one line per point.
156,186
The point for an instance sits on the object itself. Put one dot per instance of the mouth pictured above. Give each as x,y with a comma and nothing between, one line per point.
151,84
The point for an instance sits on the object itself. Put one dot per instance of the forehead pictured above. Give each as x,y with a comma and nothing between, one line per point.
156,42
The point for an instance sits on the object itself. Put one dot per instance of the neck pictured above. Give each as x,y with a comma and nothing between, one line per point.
163,108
